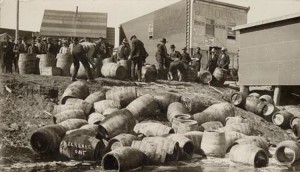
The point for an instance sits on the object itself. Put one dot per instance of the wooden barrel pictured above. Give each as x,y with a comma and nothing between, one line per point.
61,108
175,109
108,111
82,147
46,60
295,125
143,107
182,125
213,143
269,111
219,75
287,152
77,89
127,65
96,96
27,64
258,141
216,112
256,95
95,118
267,99
196,138
231,137
68,114
71,124
185,144
121,140
108,60
233,73
195,103
117,123
249,154
235,120
282,119
210,126
123,159
64,61
100,106
88,129
245,128
124,95
191,75
149,73
254,105
235,98
113,70
164,99
158,149
85,106
47,139
152,129
204,76
81,74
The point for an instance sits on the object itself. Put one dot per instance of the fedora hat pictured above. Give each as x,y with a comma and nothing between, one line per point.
163,40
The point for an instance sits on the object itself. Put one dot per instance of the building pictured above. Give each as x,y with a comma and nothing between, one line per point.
22,33
269,52
76,24
190,23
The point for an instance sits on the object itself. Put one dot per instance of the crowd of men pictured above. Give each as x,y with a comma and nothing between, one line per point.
171,62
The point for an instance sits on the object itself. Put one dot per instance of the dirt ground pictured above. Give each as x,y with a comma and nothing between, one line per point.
24,98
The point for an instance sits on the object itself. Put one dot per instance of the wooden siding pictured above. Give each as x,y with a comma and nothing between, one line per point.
110,36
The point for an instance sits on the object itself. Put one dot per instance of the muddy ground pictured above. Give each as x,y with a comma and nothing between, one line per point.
24,98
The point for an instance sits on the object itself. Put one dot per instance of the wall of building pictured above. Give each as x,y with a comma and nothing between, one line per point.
269,54
110,35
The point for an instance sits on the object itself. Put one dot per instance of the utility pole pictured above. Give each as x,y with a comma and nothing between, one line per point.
17,24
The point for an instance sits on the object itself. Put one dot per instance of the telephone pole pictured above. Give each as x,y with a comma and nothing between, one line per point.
17,24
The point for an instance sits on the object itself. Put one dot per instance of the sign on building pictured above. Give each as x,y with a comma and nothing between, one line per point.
209,41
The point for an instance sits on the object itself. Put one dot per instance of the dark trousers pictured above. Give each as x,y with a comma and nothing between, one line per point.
15,61
83,59
136,63
160,70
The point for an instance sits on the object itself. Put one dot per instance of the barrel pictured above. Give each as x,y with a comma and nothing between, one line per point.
143,107
100,106
108,60
210,126
235,98
113,70
121,140
185,144
181,126
213,143
47,139
95,97
68,114
267,99
258,141
108,111
127,65
287,152
50,71
231,137
61,108
88,129
77,89
164,99
254,94
152,129
196,139
295,125
124,95
254,105
249,154
175,109
117,123
158,149
64,61
195,103
233,73
27,64
282,119
85,106
235,120
204,76
46,60
71,124
219,75
82,147
269,111
149,73
245,128
191,75
95,118
81,74
216,112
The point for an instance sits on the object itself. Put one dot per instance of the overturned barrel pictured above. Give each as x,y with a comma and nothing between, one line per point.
108,111
282,119
196,138
149,73
204,76
77,89
295,125
219,75
164,99
195,103
175,109
152,129
102,105
210,126
267,99
288,152
95,118
113,70
254,105
127,65
185,144
68,114
182,125
85,106
121,140
124,95
96,96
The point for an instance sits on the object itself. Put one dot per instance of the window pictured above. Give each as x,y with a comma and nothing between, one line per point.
150,31
230,32
210,27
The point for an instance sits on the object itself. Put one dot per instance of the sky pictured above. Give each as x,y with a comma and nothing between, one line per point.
120,11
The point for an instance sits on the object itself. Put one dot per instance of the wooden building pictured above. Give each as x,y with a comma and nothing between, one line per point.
191,24
270,53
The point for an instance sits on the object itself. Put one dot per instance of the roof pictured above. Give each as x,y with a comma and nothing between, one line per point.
70,24
226,4
272,20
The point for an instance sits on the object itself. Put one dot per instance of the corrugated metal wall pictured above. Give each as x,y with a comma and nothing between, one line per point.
68,24
110,36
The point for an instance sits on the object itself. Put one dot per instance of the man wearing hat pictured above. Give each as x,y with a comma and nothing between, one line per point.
212,61
102,48
223,60
197,59
186,58
138,56
19,47
50,46
6,54
161,57
124,50
56,46
38,44
175,65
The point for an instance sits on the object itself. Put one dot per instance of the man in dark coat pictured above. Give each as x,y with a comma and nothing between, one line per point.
212,61
124,50
79,55
102,49
6,55
197,59
224,60
161,57
137,55
185,57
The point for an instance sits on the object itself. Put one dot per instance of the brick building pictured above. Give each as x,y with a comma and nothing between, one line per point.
190,23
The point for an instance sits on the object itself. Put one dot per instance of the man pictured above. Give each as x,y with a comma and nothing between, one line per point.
50,46
102,49
212,61
223,60
161,57
137,55
175,65
197,58
124,50
43,49
186,58
32,49
56,47
6,55
79,55
19,47
39,44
